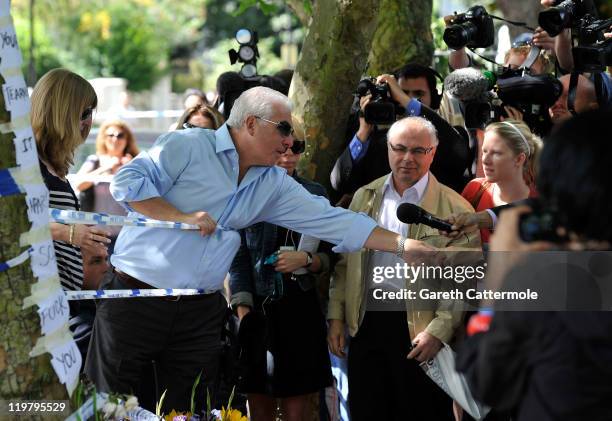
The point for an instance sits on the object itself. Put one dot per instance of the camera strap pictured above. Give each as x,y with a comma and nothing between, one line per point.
534,53
571,95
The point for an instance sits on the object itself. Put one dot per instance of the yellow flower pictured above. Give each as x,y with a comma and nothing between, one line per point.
178,415
232,415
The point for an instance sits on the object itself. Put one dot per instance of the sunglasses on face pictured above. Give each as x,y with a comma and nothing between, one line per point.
298,147
116,135
417,152
87,114
283,127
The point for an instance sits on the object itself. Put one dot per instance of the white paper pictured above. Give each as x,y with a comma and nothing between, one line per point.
44,264
307,243
66,360
16,96
9,50
37,200
25,147
53,311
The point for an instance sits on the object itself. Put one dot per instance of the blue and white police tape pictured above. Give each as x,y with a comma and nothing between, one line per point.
91,218
133,293
15,261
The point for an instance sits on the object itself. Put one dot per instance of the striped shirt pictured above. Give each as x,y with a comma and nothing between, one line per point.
69,258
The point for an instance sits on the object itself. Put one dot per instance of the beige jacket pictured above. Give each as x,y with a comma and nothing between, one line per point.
348,285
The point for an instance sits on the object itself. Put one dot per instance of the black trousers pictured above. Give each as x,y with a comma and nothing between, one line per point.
183,337
383,383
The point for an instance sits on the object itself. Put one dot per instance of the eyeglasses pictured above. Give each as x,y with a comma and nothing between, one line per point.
418,151
87,114
283,127
298,147
120,135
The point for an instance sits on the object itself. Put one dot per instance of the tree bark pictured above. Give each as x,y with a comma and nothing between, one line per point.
333,58
21,377
298,7
403,35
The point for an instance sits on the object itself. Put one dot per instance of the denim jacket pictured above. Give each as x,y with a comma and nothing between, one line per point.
249,276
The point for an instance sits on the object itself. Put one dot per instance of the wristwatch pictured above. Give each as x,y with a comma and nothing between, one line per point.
308,259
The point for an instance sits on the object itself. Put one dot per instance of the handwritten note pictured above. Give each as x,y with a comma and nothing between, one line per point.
53,312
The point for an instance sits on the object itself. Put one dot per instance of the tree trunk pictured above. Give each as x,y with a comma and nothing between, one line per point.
21,377
333,58
403,35
300,10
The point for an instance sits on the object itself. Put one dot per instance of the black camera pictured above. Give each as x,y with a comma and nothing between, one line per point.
593,52
473,28
542,224
381,109
563,15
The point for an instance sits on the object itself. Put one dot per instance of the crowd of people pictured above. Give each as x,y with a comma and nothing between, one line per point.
299,271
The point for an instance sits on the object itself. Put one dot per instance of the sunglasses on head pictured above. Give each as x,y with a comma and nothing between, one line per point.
87,113
283,127
298,147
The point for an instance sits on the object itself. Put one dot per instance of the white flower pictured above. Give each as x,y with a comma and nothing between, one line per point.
109,410
131,403
120,413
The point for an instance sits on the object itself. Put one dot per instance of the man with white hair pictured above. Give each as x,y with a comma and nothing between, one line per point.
385,380
222,181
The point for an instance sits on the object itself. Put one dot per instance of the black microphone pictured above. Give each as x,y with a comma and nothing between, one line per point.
410,213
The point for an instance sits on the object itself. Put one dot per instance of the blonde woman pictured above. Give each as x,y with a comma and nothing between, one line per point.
115,146
509,155
62,113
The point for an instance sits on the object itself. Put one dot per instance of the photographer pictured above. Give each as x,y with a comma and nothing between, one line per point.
552,365
413,88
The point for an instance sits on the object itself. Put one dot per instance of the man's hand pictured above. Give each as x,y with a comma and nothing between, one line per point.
396,92
335,337
417,252
425,347
464,223
547,3
290,261
513,113
242,311
202,219
543,40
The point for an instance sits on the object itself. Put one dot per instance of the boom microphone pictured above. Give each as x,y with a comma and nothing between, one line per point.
410,213
468,85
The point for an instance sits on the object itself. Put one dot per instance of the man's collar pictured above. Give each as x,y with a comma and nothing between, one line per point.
224,140
419,186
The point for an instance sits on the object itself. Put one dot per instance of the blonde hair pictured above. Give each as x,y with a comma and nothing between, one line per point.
519,139
523,50
130,146
58,100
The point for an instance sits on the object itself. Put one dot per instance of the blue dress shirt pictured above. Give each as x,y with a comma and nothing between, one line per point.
197,170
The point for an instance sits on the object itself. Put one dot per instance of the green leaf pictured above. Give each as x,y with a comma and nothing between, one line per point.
244,6
160,403
267,8
95,404
193,389
208,403
231,398
307,6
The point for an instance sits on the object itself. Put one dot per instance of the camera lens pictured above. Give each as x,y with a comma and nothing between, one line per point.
458,36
